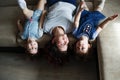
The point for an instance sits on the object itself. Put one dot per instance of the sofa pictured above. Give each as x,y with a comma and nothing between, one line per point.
108,45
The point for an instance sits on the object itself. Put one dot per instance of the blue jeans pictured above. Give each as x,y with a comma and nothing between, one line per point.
51,2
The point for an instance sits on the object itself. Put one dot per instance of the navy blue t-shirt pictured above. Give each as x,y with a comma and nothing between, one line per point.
88,24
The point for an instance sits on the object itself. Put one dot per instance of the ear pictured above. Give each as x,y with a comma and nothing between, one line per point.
90,45
53,40
25,45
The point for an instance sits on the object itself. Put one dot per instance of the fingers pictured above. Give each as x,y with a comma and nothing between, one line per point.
113,16
81,5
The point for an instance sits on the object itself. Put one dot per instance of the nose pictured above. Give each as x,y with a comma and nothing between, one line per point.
31,45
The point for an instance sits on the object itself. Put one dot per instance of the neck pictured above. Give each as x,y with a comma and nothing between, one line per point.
31,39
58,31
84,38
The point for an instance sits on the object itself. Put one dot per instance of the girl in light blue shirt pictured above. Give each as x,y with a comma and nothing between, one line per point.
32,29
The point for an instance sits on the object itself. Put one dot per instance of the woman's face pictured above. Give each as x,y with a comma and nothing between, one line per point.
62,42
82,47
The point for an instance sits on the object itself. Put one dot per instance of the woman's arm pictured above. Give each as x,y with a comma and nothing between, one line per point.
103,24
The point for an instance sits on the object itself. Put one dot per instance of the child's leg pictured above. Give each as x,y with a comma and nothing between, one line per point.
41,4
27,12
100,6
22,4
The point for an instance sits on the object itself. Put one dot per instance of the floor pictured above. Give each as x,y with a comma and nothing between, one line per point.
18,66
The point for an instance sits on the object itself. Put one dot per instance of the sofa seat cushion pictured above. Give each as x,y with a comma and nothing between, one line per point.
7,3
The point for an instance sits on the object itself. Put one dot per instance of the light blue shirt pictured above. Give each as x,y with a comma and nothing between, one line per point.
31,28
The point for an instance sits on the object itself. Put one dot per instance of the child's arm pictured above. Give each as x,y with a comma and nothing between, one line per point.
20,27
42,19
77,17
102,25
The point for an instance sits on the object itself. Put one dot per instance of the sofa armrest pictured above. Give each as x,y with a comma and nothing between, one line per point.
108,47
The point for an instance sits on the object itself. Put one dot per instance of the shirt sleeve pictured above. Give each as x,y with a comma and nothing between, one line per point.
74,31
95,35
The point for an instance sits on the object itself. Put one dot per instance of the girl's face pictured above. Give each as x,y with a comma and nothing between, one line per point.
62,42
32,47
82,47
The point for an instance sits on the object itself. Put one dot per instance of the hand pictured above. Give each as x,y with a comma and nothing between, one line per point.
81,9
113,17
81,6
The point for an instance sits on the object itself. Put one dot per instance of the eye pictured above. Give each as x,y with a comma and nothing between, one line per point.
83,48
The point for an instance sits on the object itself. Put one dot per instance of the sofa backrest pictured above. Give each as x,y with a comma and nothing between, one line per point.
29,2
6,3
